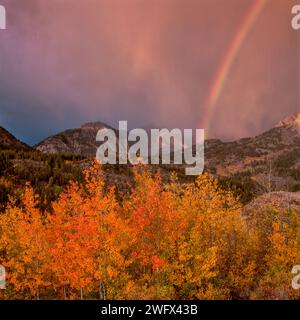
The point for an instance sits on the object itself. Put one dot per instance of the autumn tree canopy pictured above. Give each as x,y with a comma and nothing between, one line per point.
163,240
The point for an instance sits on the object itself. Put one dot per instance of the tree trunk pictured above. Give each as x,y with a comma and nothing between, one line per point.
102,291
65,294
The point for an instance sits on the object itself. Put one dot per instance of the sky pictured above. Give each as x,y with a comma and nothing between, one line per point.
228,66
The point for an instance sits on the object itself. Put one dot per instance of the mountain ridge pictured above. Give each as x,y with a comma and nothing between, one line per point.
9,142
77,141
266,162
290,122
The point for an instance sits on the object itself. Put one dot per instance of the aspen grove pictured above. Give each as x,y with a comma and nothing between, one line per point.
162,240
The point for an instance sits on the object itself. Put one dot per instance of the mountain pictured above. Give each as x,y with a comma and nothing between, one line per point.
290,122
79,141
279,200
268,162
282,140
9,142
271,159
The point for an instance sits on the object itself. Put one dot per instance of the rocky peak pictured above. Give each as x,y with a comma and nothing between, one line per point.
291,121
78,141
93,126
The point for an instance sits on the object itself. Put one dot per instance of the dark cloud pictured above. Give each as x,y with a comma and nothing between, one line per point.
148,62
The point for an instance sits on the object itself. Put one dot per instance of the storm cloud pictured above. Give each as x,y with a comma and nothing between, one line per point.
151,62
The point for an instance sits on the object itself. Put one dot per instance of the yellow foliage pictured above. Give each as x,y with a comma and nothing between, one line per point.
161,241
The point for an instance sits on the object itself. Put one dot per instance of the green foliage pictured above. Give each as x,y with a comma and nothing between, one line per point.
284,164
48,174
296,187
241,185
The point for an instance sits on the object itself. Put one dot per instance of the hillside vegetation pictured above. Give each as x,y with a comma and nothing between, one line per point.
160,241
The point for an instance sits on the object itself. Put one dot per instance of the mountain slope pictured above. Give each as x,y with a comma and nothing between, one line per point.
279,200
80,141
272,159
9,142
269,161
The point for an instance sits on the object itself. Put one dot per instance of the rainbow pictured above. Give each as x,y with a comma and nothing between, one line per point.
234,49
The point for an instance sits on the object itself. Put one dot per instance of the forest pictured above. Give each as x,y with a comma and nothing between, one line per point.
161,240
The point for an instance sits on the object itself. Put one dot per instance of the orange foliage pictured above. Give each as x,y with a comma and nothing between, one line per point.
163,240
